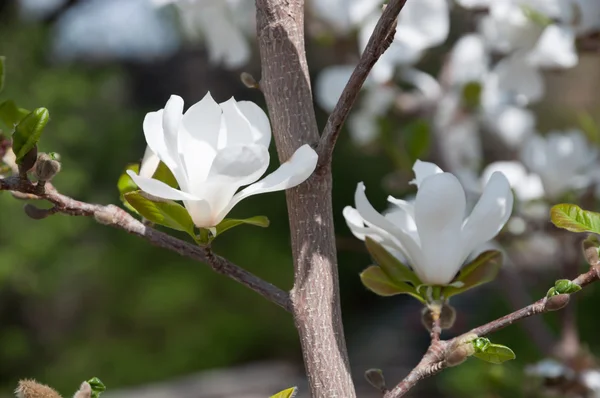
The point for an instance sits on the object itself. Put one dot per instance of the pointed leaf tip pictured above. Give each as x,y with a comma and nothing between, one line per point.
289,393
228,223
573,218
27,133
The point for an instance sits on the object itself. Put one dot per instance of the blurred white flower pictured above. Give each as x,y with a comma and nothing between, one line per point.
422,24
344,15
330,84
432,233
526,186
213,150
563,160
221,23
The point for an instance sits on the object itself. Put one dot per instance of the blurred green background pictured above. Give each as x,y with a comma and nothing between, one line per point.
78,299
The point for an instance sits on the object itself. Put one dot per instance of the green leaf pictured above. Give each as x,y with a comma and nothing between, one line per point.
471,94
397,271
28,131
380,283
289,393
97,387
167,213
574,219
417,137
482,269
10,114
2,72
165,175
125,184
565,286
228,223
493,353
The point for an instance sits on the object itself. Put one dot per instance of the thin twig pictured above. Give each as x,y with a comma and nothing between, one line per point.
434,359
378,43
118,218
436,328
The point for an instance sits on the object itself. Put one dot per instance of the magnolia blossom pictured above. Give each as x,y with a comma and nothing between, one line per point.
149,163
213,150
526,186
432,233
563,160
222,23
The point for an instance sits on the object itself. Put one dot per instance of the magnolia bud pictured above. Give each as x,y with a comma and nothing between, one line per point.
85,391
557,302
36,213
33,389
376,379
590,249
46,167
249,80
460,350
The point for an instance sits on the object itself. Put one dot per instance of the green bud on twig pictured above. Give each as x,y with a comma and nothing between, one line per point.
555,303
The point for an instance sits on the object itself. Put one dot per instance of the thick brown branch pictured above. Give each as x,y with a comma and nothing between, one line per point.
285,82
379,42
434,359
118,218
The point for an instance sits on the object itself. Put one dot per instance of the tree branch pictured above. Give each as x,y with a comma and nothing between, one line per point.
285,82
435,359
378,43
120,219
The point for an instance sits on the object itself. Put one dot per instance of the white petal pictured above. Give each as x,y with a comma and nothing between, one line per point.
422,81
520,79
149,164
357,226
363,127
291,173
203,120
159,188
489,215
429,18
234,125
172,115
423,170
155,138
201,213
259,122
439,213
404,241
555,48
527,186
513,124
330,84
240,164
469,60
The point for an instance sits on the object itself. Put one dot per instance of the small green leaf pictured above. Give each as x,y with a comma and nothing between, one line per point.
125,184
380,283
97,387
165,175
289,393
574,219
397,271
228,223
493,353
10,114
565,286
417,138
167,213
28,131
471,94
2,72
482,269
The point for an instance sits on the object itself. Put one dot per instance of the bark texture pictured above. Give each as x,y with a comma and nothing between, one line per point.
315,298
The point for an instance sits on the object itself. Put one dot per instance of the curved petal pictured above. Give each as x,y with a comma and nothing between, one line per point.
203,120
423,170
439,213
201,213
259,122
357,226
291,173
240,164
172,115
403,240
155,138
159,188
149,164
236,127
555,48
489,215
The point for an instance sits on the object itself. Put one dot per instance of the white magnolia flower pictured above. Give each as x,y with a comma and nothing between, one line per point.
422,24
222,24
526,186
344,15
213,150
564,161
433,234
